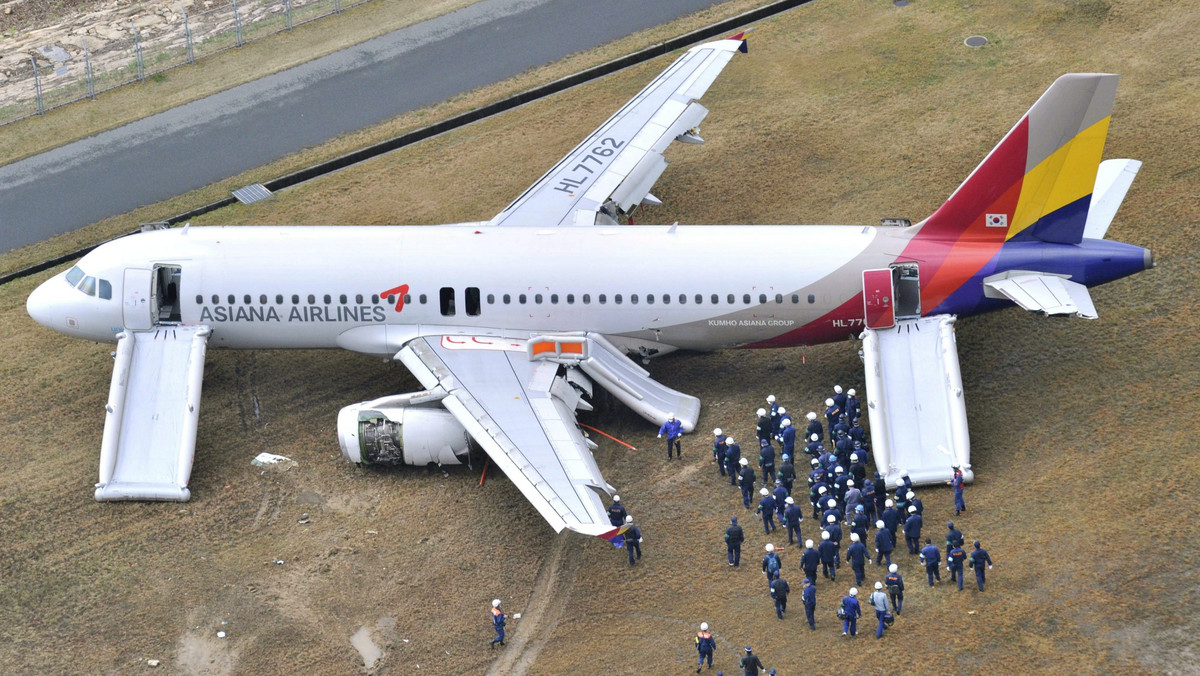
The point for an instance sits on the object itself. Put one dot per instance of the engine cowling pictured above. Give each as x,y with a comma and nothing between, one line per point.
401,435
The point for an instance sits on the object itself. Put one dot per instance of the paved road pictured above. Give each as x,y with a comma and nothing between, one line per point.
205,141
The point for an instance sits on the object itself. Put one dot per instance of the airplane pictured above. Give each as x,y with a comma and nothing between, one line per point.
509,324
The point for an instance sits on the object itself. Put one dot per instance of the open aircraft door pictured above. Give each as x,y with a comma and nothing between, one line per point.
137,299
879,309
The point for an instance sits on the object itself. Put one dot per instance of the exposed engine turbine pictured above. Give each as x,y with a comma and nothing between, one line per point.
399,434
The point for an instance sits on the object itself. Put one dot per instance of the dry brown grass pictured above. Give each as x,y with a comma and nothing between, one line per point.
1083,432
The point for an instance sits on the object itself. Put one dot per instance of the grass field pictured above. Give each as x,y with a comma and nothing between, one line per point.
1082,432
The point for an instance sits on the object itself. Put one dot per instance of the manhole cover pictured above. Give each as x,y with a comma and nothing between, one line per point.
975,41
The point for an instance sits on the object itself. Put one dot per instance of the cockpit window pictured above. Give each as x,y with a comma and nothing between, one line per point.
74,275
105,290
88,285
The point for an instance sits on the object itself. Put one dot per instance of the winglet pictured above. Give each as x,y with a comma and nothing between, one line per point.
743,48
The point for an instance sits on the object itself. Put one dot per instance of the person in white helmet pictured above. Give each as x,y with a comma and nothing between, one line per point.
633,539
839,398
814,426
766,508
810,560
763,427
912,530
774,414
746,480
879,599
771,565
673,429
895,586
705,645
617,513
733,454
828,551
787,436
792,516
850,612
498,622
832,413
853,407
719,450
857,555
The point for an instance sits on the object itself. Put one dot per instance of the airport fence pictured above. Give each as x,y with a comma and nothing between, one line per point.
81,67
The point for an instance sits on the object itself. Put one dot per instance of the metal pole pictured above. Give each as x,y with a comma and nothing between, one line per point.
287,10
37,87
337,6
87,68
237,24
187,36
137,48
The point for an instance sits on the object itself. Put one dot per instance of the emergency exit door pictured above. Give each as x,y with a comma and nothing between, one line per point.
879,309
136,297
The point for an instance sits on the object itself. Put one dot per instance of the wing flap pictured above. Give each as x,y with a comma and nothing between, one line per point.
1040,292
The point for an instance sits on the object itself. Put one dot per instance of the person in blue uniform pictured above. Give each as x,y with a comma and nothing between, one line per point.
750,664
954,538
633,539
856,554
814,427
895,587
705,645
912,530
781,494
766,508
775,413
673,429
814,447
981,562
879,600
914,501
861,523
931,557
839,398
835,536
852,612
719,450
809,561
498,622
880,494
828,551
809,596
746,480
954,562
787,437
733,453
853,406
734,537
884,543
832,413
792,516
787,473
763,427
890,518
957,483
771,565
617,513
766,460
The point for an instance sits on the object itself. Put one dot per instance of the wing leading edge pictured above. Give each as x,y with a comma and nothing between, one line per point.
613,169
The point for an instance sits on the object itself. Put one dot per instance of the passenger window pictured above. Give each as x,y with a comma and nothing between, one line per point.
375,299
633,298
521,299
537,298
105,289
602,299
295,299
795,298
472,299
233,300
246,299
587,299
491,299
762,298
407,298
199,299
312,300
715,299
699,299
279,299
507,299
262,300
746,298
421,299
570,299
328,299
446,301
216,299
358,299
779,298
649,299
554,299
617,299
342,299
667,299
729,298
811,299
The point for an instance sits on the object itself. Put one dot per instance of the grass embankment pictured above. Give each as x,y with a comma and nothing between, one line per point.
1081,431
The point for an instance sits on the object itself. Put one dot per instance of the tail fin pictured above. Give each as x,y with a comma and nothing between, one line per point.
1037,183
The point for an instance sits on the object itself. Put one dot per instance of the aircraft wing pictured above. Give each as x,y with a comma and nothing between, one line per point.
522,412
613,170
1042,292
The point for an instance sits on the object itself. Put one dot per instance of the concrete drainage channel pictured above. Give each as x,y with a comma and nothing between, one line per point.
315,171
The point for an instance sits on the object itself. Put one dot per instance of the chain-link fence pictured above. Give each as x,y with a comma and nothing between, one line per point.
70,70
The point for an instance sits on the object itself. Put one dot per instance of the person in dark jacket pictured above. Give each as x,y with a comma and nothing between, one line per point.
733,454
734,537
779,592
792,516
954,538
814,427
498,622
884,544
766,508
787,472
771,565
912,530
763,428
750,663
978,559
809,561
857,555
957,483
954,562
719,450
895,587
828,551
766,460
633,539
746,480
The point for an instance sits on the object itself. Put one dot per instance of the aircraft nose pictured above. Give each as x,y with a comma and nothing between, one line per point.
40,304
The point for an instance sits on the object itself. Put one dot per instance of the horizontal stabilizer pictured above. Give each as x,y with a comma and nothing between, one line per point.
1039,292
1112,182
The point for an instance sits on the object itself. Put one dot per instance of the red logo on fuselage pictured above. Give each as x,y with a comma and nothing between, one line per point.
399,292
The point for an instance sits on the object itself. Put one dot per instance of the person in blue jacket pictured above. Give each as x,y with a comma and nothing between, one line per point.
809,561
705,645
895,587
771,565
780,494
673,429
498,622
954,538
617,513
828,552
733,453
809,596
734,537
766,460
746,480
931,556
852,612
978,559
792,516
633,539
832,413
912,530
787,437
884,543
954,562
856,554
814,427
766,507
957,483
853,406
839,398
